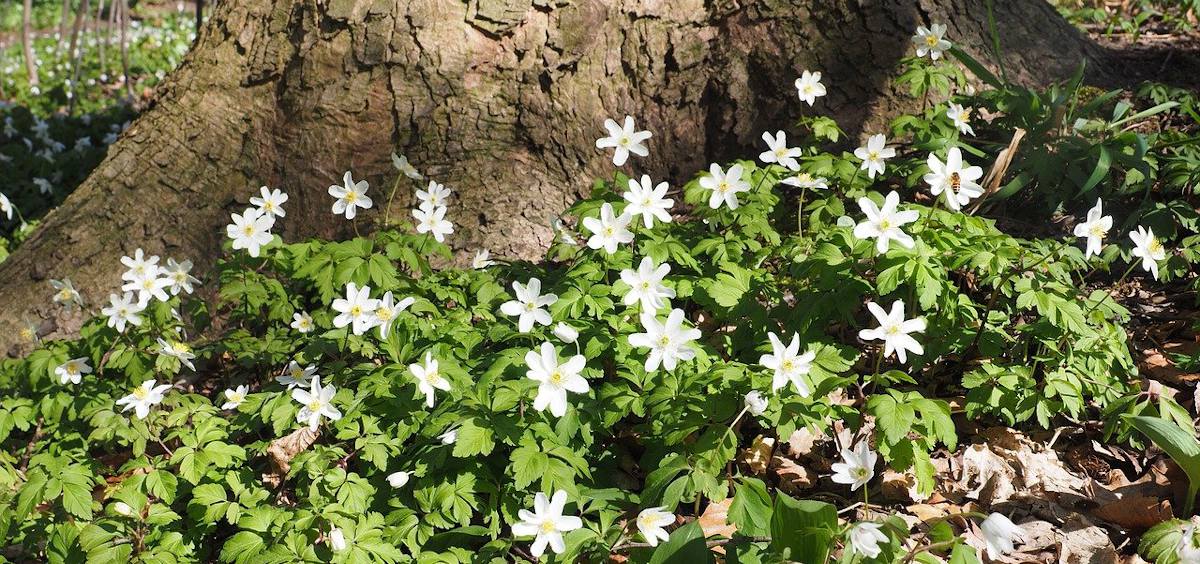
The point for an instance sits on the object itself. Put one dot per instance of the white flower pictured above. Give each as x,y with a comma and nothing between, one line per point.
883,224
6,206
546,523
179,274
756,403
806,180
646,287
857,466
873,154
316,402
999,533
302,322
1095,229
894,330
356,309
778,151
297,375
566,333
449,437
929,40
609,231
865,539
123,309
177,350
561,232
235,397
428,378
72,370
650,203
1187,550
959,182
788,364
139,266
66,295
651,523
337,540
1148,248
271,202
809,87
433,221
386,310
251,230
961,117
402,165
433,197
555,378
351,196
623,140
43,185
668,342
122,508
483,259
143,398
398,479
150,286
724,185
529,304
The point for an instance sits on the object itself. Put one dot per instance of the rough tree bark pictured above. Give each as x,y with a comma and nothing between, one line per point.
499,99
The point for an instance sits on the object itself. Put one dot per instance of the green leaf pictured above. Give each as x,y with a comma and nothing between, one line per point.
473,440
242,547
685,546
1180,445
804,528
751,508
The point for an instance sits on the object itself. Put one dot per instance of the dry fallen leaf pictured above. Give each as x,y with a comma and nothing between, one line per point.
715,522
283,450
758,454
1135,512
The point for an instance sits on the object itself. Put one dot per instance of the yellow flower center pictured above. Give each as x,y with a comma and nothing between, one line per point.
351,196
787,365
27,334
248,230
548,526
237,397
623,141
432,376
931,40
723,187
873,156
664,340
140,393
72,367
556,378
315,405
1097,231
530,306
180,348
268,206
1155,246
608,232
892,330
383,313
884,224
355,311
64,294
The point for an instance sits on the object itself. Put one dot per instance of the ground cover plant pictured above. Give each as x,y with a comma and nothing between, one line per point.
364,400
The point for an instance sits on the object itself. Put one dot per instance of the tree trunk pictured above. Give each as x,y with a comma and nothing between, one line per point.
501,100
31,69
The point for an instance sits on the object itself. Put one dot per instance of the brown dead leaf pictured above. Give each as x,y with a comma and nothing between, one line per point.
715,522
1085,543
758,454
793,478
1135,512
283,450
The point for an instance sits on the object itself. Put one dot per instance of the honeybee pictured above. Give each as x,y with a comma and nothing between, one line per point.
955,182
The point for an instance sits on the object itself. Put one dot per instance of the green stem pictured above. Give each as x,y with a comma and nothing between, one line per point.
387,213
800,213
